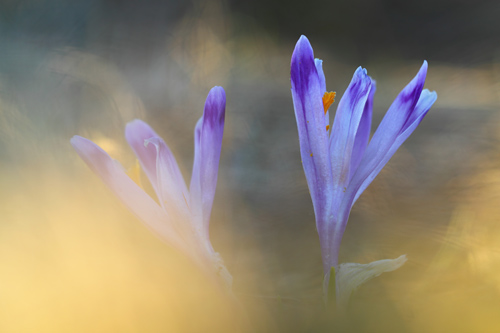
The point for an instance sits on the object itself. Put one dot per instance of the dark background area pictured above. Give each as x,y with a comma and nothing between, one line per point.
460,32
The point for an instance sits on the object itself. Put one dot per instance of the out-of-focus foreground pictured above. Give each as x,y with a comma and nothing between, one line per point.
73,259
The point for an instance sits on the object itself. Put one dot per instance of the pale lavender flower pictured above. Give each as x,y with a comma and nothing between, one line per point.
340,164
182,216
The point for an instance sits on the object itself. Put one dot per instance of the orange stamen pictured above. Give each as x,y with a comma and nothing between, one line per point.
327,127
328,99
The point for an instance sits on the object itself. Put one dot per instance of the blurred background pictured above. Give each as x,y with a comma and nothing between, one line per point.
73,259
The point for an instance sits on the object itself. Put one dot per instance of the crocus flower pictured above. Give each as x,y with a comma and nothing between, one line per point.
340,163
179,216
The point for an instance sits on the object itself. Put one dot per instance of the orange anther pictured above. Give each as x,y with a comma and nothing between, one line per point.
328,99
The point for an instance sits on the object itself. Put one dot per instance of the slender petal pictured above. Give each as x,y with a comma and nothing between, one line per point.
208,143
159,164
307,94
398,114
138,201
173,193
404,114
321,75
322,82
425,102
379,151
345,126
348,118
363,133
136,133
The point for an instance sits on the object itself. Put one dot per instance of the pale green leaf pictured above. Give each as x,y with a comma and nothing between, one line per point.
350,276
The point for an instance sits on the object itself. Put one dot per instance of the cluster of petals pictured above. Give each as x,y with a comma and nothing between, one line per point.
180,216
340,162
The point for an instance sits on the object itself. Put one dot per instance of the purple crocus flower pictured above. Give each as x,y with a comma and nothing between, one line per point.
181,216
341,163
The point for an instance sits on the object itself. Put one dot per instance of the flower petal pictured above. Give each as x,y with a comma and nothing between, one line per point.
394,129
342,144
322,82
398,114
139,203
321,75
401,119
173,194
159,164
307,94
425,102
379,151
207,147
363,133
345,127
136,133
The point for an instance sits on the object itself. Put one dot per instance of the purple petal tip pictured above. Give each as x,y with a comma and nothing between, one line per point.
303,48
77,141
303,39
361,72
135,121
423,69
302,64
215,106
217,94
133,124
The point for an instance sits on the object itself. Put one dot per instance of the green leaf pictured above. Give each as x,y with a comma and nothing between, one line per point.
350,276
331,288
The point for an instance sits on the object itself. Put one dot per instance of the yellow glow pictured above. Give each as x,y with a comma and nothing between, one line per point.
134,172
75,260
